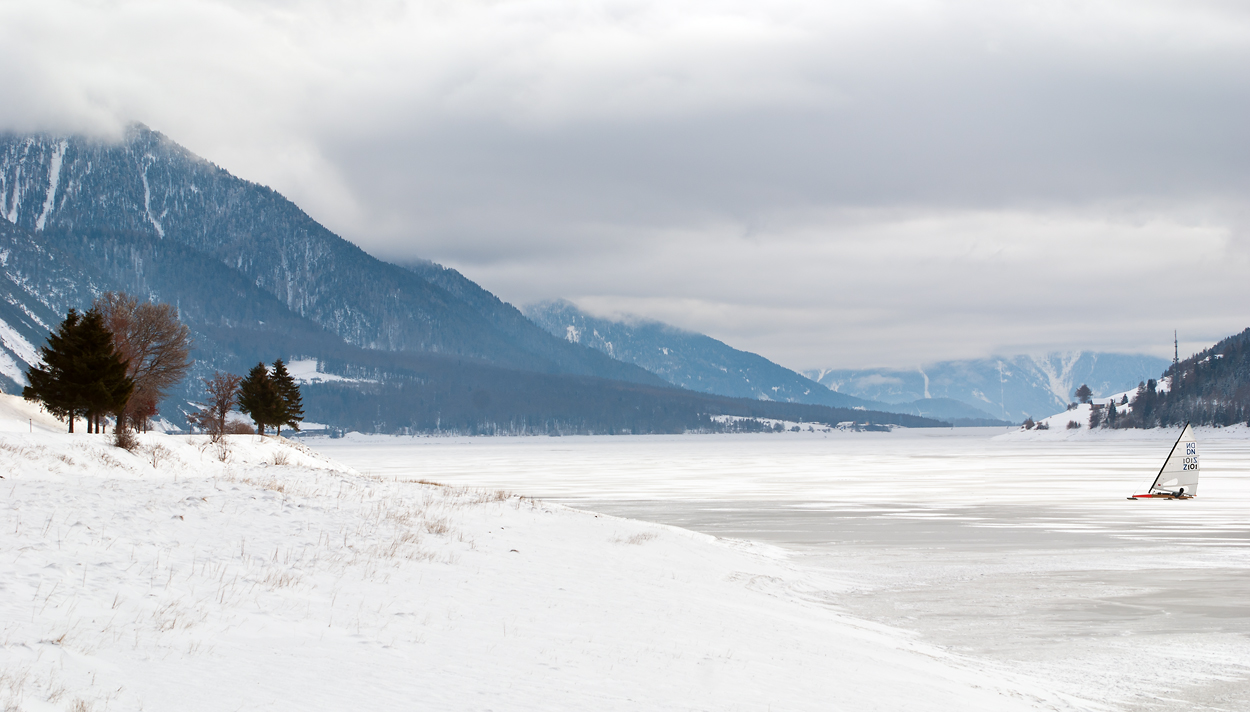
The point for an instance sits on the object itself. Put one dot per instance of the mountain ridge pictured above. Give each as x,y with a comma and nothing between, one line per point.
149,186
684,358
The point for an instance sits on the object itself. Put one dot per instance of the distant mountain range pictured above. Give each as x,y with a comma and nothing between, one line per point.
256,278
701,363
1012,388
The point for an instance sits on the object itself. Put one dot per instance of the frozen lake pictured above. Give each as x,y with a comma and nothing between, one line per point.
1020,551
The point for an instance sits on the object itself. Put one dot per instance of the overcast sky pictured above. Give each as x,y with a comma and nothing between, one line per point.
829,184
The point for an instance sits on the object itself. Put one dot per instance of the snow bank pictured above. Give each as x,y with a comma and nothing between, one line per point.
262,575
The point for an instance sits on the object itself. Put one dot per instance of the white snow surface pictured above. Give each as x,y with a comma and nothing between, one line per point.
1019,551
308,371
266,576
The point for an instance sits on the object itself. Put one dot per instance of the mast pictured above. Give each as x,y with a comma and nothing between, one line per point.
1176,353
1169,457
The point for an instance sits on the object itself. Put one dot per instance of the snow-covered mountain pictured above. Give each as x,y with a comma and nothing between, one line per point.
416,348
1011,387
684,358
148,215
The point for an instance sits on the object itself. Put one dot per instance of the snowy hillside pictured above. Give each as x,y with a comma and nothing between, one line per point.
265,576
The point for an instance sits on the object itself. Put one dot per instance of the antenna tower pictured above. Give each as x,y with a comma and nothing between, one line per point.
1176,355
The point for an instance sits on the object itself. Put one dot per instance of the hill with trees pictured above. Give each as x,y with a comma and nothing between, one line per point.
1211,387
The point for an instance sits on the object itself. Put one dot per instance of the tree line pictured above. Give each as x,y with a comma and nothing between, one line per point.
120,358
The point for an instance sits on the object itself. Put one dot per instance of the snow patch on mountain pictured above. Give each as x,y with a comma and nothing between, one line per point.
1058,371
54,177
147,204
308,370
16,344
15,199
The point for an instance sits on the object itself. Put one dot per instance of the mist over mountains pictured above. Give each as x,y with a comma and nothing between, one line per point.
256,278
123,202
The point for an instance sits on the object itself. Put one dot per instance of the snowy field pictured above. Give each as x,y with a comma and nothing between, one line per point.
1013,551
185,576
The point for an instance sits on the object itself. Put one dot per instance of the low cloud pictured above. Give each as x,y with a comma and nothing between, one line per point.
829,184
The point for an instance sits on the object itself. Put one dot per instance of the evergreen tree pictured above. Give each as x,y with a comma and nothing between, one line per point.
1083,393
292,406
259,398
101,372
82,374
50,383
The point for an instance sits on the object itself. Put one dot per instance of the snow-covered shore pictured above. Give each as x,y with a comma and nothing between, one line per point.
267,576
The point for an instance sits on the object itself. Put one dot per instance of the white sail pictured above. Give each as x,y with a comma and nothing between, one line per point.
1180,470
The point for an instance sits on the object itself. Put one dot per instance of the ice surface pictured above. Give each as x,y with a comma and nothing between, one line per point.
1020,550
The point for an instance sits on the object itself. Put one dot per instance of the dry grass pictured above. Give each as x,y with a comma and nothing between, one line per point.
157,454
636,538
438,526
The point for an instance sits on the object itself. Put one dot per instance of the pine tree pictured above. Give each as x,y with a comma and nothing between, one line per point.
50,383
101,372
259,398
292,405
81,373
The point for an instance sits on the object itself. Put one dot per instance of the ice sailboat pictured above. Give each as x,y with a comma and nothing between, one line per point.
1178,478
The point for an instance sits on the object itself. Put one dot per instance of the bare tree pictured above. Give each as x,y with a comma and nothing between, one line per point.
222,393
153,341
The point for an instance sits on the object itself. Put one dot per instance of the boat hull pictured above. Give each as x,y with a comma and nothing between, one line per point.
1161,496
